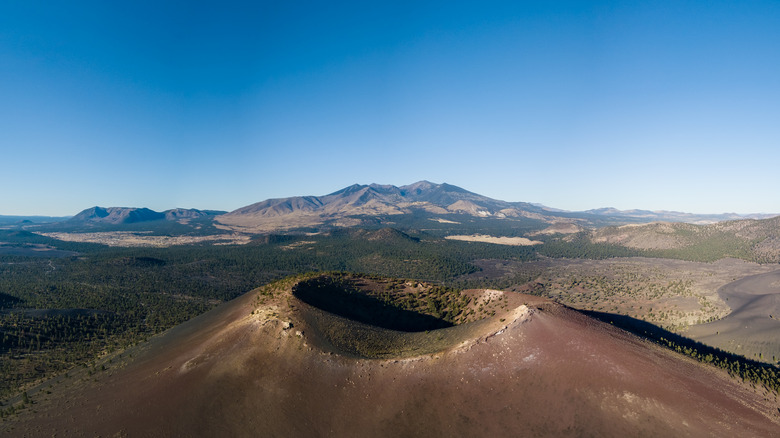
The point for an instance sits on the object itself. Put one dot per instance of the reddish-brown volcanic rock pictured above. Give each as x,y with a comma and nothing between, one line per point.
544,371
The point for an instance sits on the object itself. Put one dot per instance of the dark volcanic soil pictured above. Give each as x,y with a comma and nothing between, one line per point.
753,327
254,367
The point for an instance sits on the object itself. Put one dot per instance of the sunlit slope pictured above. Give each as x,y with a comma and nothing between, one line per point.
748,239
265,365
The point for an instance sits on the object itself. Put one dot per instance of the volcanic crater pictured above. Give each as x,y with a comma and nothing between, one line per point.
348,355
370,317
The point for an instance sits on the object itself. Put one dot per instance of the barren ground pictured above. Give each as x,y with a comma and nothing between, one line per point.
138,238
674,294
514,241
753,326
256,367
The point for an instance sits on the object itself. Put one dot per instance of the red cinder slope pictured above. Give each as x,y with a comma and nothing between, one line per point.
255,367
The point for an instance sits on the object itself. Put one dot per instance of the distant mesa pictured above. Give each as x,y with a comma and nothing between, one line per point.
116,215
129,215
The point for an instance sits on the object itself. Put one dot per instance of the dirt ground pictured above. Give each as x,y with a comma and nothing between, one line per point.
753,326
144,239
253,367
501,240
677,295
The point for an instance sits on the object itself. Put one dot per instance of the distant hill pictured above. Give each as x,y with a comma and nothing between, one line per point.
128,215
750,239
30,220
673,216
189,213
116,215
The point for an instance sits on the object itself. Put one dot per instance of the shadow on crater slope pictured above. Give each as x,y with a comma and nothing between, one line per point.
363,318
249,368
343,298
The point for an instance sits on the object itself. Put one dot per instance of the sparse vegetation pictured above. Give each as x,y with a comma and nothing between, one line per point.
87,300
390,303
138,292
751,240
372,316
757,373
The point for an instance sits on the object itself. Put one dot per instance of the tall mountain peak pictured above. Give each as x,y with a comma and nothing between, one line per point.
359,200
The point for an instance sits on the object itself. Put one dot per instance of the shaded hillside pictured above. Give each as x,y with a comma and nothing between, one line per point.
758,373
127,215
173,222
262,365
115,215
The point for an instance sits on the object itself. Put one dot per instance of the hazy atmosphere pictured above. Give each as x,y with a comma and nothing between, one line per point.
576,105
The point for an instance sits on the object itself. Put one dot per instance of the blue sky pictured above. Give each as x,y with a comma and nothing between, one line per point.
216,105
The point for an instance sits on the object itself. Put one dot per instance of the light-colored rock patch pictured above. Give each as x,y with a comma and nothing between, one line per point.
502,240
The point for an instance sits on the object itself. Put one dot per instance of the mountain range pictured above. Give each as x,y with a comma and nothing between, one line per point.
352,205
346,206
377,204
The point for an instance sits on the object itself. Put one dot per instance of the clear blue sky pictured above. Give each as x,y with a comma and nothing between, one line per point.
215,105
